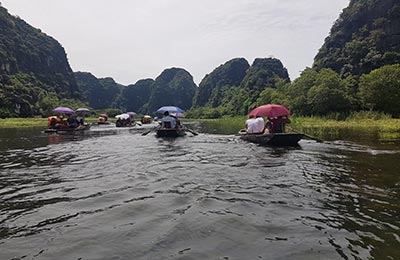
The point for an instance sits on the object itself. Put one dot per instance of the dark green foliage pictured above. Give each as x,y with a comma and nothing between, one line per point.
24,49
228,75
380,90
32,65
262,74
174,87
365,37
313,93
134,97
99,93
233,88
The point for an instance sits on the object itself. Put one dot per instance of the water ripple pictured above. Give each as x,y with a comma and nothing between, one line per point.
127,196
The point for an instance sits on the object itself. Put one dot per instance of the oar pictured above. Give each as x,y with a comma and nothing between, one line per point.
313,138
191,131
145,133
306,135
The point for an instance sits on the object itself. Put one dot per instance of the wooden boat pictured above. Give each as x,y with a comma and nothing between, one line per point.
170,132
68,130
276,139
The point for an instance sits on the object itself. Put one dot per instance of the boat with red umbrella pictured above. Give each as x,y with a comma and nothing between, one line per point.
277,114
270,110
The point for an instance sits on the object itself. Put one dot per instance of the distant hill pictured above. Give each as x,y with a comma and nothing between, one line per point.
32,64
99,93
174,86
365,37
229,74
263,73
234,87
135,97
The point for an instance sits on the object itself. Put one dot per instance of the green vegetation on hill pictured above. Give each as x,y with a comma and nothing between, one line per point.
135,97
174,86
219,82
234,87
365,37
33,66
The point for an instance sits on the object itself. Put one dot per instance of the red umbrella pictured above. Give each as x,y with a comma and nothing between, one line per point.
270,110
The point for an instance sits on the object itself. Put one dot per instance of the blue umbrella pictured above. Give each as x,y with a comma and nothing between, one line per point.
170,109
63,110
177,114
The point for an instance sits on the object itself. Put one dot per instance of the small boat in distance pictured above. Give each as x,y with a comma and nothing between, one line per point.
275,139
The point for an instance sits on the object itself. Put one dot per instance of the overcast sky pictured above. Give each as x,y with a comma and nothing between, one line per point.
130,40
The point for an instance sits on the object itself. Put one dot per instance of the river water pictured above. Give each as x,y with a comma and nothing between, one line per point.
115,194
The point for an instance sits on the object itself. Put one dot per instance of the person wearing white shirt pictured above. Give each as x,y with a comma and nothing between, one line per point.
259,125
251,124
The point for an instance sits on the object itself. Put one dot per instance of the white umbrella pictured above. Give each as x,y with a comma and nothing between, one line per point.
122,116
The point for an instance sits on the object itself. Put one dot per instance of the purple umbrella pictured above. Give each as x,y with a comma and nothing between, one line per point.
63,110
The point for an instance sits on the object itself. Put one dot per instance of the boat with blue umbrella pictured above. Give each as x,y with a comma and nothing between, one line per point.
170,125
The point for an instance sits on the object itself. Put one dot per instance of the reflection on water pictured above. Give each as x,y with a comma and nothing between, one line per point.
120,195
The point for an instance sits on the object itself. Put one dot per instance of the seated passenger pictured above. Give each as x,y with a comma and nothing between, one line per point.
277,124
251,125
259,125
52,122
80,120
268,127
168,121
71,121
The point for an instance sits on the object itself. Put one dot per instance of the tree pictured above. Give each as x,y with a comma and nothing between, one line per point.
380,90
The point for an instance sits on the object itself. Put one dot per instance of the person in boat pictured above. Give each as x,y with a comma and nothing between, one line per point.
61,123
254,125
259,124
276,124
168,121
80,120
119,122
52,121
268,126
71,122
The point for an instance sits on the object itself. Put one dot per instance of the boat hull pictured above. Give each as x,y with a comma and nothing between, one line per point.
170,132
276,139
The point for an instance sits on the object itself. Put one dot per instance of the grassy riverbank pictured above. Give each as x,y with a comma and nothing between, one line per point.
385,128
23,122
31,122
